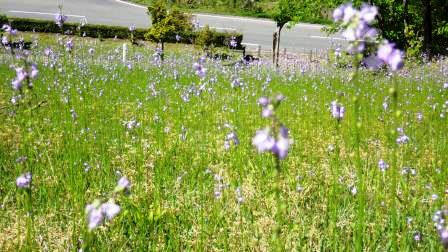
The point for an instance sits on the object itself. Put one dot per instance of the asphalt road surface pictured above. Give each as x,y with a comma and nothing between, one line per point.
115,12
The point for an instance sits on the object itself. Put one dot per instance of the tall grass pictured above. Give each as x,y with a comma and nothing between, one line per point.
184,182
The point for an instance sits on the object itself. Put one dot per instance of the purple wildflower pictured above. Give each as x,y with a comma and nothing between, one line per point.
263,101
233,42
21,75
5,40
391,56
69,45
199,70
383,165
337,110
132,28
95,216
60,19
110,210
123,185
263,141
48,51
281,147
34,71
8,29
24,180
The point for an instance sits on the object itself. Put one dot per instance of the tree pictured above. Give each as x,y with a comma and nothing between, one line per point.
285,12
427,27
166,24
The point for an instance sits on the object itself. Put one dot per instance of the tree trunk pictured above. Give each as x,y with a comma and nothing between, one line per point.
427,27
406,22
274,46
278,45
162,54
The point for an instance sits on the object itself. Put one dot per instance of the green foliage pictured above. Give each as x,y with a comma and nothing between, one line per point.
286,11
3,20
94,31
208,38
392,17
166,24
205,37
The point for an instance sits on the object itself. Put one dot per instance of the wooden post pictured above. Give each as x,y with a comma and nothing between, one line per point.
259,51
125,51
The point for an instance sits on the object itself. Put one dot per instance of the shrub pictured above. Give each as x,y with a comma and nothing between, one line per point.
90,30
207,38
106,31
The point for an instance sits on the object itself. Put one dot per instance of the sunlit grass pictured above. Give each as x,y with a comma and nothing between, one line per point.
176,160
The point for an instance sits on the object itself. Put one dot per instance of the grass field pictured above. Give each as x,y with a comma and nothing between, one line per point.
90,120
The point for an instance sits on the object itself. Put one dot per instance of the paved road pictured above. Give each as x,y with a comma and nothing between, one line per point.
114,12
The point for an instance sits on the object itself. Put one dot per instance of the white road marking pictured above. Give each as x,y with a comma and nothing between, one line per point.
219,28
132,4
330,38
44,13
250,44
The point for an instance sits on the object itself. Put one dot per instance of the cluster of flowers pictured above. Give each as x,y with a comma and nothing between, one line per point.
60,19
265,139
10,31
199,69
439,220
356,24
402,138
337,110
23,74
233,42
357,31
97,212
231,137
24,180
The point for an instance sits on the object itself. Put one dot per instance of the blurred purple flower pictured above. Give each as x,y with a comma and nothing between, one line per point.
391,56
123,185
382,165
110,210
263,141
337,110
8,29
60,19
233,42
24,180
281,147
5,40
263,101
94,215
199,70
34,71
48,51
21,75
69,45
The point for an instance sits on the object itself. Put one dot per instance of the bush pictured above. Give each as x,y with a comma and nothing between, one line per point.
90,30
219,39
3,20
207,37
